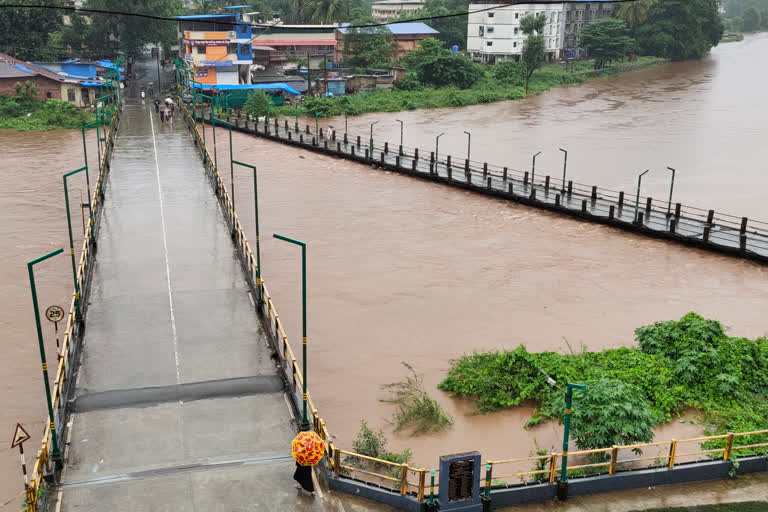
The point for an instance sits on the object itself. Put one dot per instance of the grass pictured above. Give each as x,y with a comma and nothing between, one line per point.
486,90
746,506
416,410
732,38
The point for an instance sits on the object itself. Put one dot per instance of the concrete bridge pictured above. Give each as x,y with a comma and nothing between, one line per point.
706,229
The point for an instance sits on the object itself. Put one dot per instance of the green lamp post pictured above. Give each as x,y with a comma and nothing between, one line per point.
304,419
637,196
55,448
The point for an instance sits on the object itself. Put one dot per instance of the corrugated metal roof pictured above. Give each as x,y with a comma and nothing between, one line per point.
27,68
206,16
401,29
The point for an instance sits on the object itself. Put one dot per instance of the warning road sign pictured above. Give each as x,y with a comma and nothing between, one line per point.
19,436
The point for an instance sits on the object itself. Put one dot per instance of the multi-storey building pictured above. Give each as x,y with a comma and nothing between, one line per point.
217,47
386,10
494,33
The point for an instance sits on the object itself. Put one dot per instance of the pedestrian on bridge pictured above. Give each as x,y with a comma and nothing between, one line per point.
157,106
303,477
162,114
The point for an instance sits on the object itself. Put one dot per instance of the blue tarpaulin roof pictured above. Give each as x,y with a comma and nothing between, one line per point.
281,86
205,16
91,84
401,28
26,70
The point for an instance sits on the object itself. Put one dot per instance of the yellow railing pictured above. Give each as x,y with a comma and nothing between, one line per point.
65,364
410,479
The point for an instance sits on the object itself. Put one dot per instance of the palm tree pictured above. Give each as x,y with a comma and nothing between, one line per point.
635,13
328,11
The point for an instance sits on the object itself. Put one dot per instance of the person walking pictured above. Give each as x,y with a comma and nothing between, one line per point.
162,114
303,478
157,106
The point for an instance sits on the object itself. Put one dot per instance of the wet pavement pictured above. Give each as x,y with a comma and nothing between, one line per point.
170,313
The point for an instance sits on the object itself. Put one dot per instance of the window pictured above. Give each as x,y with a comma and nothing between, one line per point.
517,15
489,43
516,30
49,95
70,95
490,30
482,30
490,15
514,45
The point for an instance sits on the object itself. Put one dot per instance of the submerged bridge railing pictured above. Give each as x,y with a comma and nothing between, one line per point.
43,468
708,229
413,488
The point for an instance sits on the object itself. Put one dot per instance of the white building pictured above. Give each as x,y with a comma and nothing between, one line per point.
494,34
386,10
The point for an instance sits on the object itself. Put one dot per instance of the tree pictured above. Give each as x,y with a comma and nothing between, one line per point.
681,29
451,30
510,72
329,11
450,70
368,46
25,33
751,20
635,13
611,412
256,104
534,49
606,40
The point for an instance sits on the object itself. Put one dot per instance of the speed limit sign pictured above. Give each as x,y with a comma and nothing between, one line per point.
54,314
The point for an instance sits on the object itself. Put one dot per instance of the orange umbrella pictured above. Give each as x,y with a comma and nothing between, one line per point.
307,448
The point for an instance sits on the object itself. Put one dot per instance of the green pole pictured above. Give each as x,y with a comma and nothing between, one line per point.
401,131
567,429
437,147
345,122
469,143
256,216
488,481
317,131
297,114
85,157
432,487
565,166
56,452
637,196
533,169
304,420
231,165
71,242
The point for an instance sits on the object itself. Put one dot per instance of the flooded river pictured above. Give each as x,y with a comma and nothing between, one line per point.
406,270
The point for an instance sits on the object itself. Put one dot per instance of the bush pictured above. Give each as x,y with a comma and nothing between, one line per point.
510,73
415,408
256,104
10,108
450,70
372,443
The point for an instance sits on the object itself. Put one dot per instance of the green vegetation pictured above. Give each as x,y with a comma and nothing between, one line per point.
732,38
26,33
256,103
606,40
416,410
428,69
534,49
368,47
680,29
24,111
746,506
678,364
372,443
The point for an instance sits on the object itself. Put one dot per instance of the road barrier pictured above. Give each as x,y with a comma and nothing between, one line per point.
70,347
403,485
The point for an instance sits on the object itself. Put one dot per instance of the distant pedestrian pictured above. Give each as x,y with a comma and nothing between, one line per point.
331,132
157,106
303,477
143,94
162,114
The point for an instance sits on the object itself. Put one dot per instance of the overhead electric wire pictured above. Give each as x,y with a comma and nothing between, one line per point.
366,25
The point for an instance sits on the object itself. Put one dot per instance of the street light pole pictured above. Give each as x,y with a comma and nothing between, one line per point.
401,131
371,142
469,142
256,216
437,147
533,169
304,420
317,128
565,165
671,186
214,120
345,123
78,311
637,196
159,83
55,453
567,428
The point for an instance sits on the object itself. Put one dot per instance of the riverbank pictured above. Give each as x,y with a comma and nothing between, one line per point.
23,114
488,89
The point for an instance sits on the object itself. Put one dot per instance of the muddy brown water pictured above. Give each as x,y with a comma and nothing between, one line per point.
405,270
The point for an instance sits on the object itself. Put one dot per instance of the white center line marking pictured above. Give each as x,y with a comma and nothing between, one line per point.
165,248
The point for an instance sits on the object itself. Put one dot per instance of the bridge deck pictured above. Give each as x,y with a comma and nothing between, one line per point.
737,236
178,404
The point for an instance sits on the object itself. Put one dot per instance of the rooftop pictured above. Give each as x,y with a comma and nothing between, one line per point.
397,2
406,28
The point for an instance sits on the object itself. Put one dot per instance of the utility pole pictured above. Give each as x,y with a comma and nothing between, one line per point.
159,83
309,77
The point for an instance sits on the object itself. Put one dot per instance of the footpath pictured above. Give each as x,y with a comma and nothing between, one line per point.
178,404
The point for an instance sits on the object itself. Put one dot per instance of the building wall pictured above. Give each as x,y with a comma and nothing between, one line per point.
495,36
388,11
46,88
405,43
578,15
83,96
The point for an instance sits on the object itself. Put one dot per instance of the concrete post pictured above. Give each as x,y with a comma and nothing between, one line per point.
386,147
450,174
611,212
353,150
677,210
505,174
594,194
431,156
397,162
485,169
358,141
584,205
640,218
533,194
366,153
511,190
416,154
466,165
570,188
490,186
413,165
546,185
648,204
744,222
705,235
448,159
710,217
525,179
672,225
621,200
557,199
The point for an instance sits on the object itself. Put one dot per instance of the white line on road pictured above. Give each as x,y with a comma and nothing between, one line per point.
165,248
